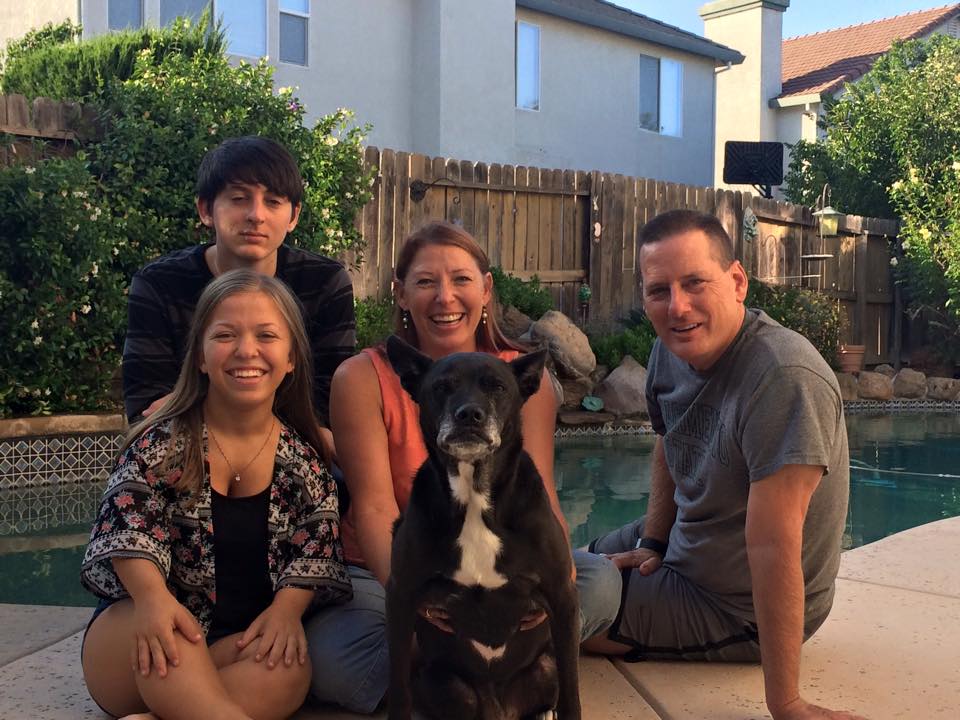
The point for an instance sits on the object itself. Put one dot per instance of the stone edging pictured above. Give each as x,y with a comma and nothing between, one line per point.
61,425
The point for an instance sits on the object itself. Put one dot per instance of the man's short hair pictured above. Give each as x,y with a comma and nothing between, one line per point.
252,160
675,222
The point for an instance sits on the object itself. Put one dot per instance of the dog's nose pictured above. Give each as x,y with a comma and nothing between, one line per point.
470,413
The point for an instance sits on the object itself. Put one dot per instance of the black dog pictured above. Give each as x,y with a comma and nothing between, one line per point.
480,568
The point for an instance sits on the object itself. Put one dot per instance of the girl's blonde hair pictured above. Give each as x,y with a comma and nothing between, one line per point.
293,402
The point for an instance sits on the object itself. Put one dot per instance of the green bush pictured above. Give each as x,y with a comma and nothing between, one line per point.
50,62
529,297
374,321
129,198
636,339
61,304
812,314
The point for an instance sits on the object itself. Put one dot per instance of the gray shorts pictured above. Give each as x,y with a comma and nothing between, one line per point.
664,616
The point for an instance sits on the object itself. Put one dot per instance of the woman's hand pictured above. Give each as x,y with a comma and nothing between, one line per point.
280,629
157,617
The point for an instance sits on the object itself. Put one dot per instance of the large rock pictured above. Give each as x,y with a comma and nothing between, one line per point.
848,386
514,323
909,384
624,390
574,390
941,388
885,369
874,386
569,347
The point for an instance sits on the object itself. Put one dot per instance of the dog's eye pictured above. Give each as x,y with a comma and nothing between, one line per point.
492,385
443,387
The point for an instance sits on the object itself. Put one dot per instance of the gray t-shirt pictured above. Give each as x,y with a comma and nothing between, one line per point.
769,401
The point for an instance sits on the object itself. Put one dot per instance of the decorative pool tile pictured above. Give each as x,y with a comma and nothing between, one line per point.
25,511
56,459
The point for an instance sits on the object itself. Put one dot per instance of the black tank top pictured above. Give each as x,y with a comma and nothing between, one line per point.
240,542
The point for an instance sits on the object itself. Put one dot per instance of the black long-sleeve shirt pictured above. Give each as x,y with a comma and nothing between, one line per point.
163,297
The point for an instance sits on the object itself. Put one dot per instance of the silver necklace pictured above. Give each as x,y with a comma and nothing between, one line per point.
236,473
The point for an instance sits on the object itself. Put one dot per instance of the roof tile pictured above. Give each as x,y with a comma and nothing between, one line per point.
825,61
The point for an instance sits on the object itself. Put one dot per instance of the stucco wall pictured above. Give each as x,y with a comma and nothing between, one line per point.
589,107
17,17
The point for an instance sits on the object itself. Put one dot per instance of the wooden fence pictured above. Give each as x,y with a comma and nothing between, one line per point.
570,227
43,128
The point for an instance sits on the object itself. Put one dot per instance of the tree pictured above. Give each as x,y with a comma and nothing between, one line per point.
892,148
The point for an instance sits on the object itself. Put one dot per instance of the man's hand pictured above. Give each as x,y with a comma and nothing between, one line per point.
800,709
644,560
155,405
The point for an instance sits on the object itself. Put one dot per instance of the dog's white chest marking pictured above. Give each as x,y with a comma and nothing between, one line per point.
488,653
479,546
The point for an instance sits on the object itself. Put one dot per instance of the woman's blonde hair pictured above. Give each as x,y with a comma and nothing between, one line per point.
489,336
293,402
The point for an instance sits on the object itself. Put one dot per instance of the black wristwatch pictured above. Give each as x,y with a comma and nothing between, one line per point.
648,543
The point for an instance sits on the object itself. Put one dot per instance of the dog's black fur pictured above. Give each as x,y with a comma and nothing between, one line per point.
470,417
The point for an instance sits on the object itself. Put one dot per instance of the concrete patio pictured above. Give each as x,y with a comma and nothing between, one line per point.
890,649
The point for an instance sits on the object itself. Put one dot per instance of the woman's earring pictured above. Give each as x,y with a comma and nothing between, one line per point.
406,320
483,315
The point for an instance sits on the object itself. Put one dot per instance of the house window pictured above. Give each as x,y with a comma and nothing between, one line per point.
528,66
170,10
661,95
124,14
245,25
294,16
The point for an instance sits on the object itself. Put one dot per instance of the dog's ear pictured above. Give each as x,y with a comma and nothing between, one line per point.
528,370
408,362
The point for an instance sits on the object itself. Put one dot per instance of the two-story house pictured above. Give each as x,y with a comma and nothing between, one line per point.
578,84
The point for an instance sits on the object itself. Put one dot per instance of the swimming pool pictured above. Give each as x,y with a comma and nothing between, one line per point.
905,471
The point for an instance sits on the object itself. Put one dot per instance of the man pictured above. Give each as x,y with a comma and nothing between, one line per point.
737,556
249,191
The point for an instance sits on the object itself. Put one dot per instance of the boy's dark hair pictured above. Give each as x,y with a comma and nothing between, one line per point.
675,222
253,160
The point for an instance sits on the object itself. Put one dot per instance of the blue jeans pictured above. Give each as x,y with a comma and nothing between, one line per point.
348,643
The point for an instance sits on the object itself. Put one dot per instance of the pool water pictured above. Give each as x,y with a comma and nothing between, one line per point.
904,472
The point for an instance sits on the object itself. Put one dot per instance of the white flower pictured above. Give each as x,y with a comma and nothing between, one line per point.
116,251
38,339
47,392
339,233
94,269
85,308
893,262
956,165
35,325
348,195
76,227
29,170
325,213
330,140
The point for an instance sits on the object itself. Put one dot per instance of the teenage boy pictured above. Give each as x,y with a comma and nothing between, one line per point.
249,192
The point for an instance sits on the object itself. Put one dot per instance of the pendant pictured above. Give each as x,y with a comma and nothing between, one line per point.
236,478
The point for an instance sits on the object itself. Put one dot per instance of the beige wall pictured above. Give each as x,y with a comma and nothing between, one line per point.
17,17
589,107
754,27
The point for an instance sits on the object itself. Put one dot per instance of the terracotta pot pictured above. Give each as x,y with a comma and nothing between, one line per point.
851,358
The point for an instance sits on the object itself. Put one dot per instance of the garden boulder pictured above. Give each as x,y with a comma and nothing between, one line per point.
848,386
569,347
909,384
885,369
623,390
574,389
941,388
514,323
874,386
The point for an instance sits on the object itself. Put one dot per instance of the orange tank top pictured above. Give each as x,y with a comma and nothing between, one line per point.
405,447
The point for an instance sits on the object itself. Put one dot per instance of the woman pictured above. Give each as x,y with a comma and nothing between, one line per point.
218,528
445,304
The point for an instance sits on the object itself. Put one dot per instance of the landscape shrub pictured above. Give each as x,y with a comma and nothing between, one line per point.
527,296
374,321
138,180
812,314
52,62
636,339
61,303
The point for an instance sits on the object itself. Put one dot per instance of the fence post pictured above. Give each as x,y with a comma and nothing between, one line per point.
860,288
